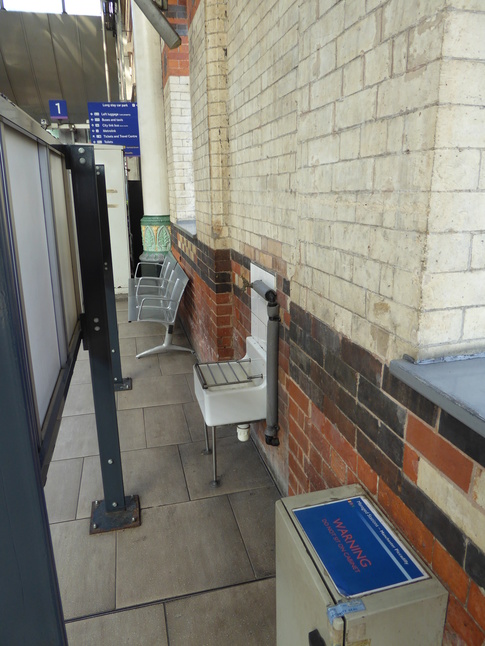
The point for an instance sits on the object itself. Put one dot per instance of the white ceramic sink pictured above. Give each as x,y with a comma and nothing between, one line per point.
233,392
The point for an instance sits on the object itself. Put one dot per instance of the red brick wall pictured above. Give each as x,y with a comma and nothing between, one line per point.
345,419
175,62
192,6
351,421
207,305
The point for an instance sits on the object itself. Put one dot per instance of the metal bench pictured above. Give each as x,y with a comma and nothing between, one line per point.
154,285
157,300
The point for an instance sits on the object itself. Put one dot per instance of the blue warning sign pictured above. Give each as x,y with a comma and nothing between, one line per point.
357,548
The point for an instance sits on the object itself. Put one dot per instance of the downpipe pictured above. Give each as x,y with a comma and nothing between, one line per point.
271,431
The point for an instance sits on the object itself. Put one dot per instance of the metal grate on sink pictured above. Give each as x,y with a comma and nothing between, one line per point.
226,373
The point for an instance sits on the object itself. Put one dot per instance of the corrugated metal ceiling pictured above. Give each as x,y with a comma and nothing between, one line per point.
51,56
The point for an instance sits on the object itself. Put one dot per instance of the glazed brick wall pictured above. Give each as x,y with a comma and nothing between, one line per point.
356,143
206,308
351,421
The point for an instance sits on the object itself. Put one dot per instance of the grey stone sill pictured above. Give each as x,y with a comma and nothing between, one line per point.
457,386
187,226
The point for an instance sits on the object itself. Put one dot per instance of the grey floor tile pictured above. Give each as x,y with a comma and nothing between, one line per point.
81,373
244,615
131,430
128,348
62,489
82,355
121,303
155,392
144,343
77,437
85,568
165,425
238,464
154,474
79,400
176,363
178,550
190,381
150,341
195,421
137,627
135,329
143,368
255,515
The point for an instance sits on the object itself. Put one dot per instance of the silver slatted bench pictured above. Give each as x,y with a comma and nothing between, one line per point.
156,299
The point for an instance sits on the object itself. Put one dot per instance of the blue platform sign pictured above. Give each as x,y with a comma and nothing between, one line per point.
58,110
115,123
357,548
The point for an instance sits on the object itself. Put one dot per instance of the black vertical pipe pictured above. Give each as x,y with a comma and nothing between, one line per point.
95,321
272,375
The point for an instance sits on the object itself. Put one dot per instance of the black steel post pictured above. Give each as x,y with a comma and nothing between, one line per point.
115,511
30,604
119,382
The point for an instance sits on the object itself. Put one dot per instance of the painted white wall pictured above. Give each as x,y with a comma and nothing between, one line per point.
112,159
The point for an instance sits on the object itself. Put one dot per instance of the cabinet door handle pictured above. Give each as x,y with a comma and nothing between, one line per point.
315,639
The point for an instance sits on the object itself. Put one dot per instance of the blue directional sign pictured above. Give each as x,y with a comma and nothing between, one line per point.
58,110
357,548
115,123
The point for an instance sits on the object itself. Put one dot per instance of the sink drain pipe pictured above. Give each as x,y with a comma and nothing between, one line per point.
272,338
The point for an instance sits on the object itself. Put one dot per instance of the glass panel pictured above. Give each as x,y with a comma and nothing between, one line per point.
66,264
30,231
73,7
37,6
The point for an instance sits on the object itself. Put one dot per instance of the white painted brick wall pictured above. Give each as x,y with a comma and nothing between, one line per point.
351,132
179,148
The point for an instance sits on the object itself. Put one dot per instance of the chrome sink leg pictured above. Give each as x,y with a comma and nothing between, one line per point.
207,450
216,481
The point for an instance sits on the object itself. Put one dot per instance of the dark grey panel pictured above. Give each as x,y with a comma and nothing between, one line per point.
5,87
91,36
16,55
53,56
41,52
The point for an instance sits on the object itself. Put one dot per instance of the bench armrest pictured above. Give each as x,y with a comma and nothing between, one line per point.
147,264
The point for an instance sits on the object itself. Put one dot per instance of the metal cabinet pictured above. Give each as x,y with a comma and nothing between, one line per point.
345,577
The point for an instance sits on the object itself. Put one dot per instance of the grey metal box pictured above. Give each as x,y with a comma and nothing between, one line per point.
310,609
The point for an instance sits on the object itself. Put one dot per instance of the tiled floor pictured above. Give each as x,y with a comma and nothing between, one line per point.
199,571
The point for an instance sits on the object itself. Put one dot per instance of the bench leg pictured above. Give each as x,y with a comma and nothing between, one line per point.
167,346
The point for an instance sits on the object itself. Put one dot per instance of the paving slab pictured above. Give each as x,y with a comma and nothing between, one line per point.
179,550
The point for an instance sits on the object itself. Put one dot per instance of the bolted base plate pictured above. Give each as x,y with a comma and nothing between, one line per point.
103,521
126,384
